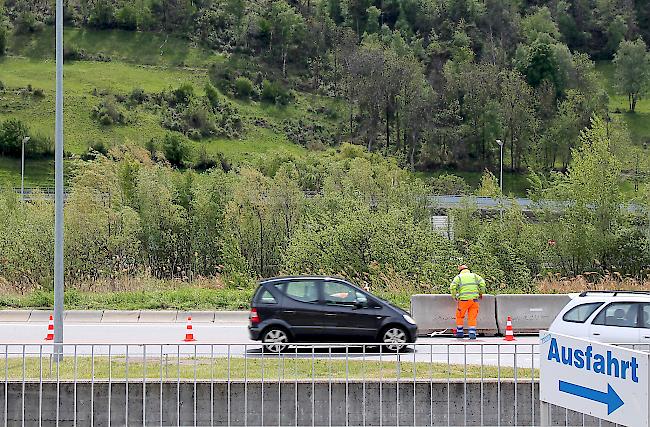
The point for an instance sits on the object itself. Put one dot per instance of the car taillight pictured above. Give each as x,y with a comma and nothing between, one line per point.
254,317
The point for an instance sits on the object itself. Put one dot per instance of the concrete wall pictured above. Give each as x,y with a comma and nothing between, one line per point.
530,313
438,312
272,403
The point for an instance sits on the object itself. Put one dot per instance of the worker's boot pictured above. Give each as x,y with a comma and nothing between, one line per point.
459,332
472,333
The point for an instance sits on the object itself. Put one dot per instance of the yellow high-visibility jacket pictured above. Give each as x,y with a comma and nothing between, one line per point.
467,286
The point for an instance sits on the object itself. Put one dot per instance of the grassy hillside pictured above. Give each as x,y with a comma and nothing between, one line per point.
135,62
639,122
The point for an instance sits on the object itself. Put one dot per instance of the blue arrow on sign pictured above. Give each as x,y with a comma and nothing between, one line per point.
611,398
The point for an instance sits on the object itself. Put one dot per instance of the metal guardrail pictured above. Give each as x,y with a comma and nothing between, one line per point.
308,384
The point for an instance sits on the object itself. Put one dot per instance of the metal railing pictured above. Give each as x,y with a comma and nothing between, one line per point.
242,384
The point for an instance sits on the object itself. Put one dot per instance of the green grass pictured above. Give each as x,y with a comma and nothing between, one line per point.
154,297
270,367
183,298
38,172
638,123
123,46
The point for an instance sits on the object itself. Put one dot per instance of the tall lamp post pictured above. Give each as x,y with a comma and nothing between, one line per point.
22,170
58,190
501,165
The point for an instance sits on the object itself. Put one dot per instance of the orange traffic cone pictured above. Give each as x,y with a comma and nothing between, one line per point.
189,333
50,329
510,336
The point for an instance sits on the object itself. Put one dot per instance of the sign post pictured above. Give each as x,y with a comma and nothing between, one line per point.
605,381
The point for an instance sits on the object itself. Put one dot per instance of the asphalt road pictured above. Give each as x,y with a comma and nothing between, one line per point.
221,339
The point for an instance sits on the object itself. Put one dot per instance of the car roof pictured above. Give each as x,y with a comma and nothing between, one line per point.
283,278
610,296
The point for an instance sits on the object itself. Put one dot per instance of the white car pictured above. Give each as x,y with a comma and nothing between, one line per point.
607,316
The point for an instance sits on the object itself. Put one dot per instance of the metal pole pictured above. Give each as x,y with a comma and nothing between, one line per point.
58,198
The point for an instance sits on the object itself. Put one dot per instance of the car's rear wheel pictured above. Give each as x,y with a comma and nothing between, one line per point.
394,338
275,340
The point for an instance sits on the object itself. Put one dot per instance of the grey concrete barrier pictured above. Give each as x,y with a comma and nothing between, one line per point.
197,316
530,313
299,403
231,316
83,316
14,315
163,316
438,312
120,316
40,315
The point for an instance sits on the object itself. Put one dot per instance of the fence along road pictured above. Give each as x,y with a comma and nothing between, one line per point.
206,384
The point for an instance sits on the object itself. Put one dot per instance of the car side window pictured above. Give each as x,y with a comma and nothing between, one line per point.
267,298
580,313
619,314
302,290
341,294
645,312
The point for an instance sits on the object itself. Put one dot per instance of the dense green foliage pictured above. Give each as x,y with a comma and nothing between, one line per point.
432,82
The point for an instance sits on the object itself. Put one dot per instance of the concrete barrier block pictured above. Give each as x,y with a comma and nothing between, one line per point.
120,316
14,315
231,316
438,312
83,316
40,315
530,313
157,316
197,316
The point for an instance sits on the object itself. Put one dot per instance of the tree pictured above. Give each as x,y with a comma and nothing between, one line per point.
176,150
102,15
3,32
287,27
632,62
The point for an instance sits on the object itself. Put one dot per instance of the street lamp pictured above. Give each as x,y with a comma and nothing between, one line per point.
22,170
501,165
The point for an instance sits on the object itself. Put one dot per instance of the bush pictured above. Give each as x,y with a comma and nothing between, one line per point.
138,96
12,133
214,98
176,150
39,93
102,15
27,23
72,53
205,161
275,92
3,38
127,18
183,95
108,112
243,88
449,184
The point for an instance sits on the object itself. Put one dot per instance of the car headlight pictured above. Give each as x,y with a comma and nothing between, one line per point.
409,319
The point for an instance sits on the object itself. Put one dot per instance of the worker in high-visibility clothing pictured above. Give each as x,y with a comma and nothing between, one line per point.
467,288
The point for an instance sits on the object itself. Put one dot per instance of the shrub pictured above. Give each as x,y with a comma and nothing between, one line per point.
275,92
27,23
243,87
449,184
3,39
138,96
176,150
12,133
213,95
2,85
39,93
108,112
183,95
127,18
72,53
205,161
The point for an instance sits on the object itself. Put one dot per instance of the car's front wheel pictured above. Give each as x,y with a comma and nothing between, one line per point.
394,338
275,340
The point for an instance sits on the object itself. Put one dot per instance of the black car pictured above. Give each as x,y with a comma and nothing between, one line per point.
325,309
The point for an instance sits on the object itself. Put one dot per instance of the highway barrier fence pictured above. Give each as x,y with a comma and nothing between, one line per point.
246,385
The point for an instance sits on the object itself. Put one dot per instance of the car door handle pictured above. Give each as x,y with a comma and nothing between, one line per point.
289,312
595,333
330,314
